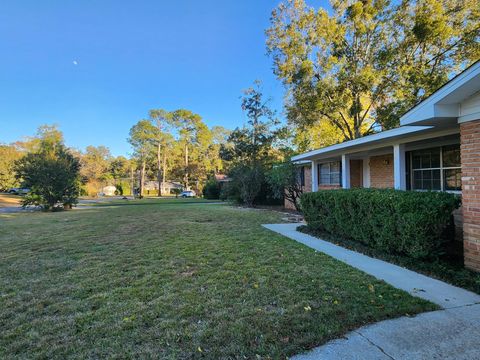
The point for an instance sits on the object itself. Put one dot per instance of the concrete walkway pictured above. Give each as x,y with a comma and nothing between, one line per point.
451,333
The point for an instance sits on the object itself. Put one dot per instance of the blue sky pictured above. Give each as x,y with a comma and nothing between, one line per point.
96,67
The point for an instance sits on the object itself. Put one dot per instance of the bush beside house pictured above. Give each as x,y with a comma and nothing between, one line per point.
397,222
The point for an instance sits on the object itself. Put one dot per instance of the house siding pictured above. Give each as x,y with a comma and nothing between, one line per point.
470,152
381,171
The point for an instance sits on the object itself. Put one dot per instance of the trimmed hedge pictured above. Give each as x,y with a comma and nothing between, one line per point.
397,222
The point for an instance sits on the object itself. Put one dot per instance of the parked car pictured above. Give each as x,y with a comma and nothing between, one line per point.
187,193
18,191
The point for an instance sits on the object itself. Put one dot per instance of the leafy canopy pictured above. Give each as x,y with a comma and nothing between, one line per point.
52,174
360,67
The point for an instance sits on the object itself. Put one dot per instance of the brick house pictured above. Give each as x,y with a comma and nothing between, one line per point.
437,147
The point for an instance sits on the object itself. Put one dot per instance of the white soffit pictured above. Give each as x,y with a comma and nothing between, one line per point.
375,139
445,102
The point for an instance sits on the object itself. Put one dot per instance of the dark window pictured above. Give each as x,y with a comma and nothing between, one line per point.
436,168
302,176
452,179
329,173
451,156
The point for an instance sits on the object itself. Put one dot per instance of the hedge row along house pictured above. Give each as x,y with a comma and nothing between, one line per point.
437,147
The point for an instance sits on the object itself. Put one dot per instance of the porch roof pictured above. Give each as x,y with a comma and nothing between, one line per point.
445,103
375,140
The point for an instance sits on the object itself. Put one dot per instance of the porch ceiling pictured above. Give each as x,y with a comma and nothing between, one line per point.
370,142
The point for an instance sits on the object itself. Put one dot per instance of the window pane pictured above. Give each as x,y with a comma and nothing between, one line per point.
416,160
324,179
324,169
435,158
335,166
335,178
436,180
426,159
451,156
323,173
329,173
453,179
426,180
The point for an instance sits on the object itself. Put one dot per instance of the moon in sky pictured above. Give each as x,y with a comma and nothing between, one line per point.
75,62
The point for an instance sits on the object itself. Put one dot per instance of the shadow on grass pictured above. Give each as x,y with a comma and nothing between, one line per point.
152,203
448,268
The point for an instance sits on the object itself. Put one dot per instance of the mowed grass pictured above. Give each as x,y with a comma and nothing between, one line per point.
174,279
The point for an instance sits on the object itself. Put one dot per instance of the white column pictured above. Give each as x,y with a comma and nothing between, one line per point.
345,171
366,172
399,177
314,176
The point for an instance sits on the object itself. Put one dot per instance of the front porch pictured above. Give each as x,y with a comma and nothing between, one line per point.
437,147
427,161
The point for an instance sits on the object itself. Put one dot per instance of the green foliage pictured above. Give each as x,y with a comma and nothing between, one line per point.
119,190
254,142
212,190
8,155
285,182
365,62
52,174
248,180
96,163
176,191
251,150
182,147
402,222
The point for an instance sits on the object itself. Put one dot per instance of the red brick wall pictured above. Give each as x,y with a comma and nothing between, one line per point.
328,187
308,179
381,171
356,173
470,151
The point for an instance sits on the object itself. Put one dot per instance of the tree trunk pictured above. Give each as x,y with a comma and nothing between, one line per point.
132,183
159,173
142,177
164,168
185,179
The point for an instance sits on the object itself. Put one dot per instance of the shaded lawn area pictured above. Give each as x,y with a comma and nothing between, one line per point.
448,268
175,280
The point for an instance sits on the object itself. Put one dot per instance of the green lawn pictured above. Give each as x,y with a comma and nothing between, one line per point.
174,279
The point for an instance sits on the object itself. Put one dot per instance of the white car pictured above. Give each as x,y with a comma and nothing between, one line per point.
187,193
18,191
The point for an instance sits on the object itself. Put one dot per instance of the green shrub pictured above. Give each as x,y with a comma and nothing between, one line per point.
212,190
402,222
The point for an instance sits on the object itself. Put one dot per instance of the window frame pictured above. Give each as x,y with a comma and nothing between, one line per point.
441,168
339,172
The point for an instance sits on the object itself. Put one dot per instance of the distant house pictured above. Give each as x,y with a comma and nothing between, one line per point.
108,190
437,147
221,178
167,186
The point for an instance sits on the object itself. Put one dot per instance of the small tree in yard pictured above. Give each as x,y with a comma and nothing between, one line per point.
53,176
285,183
248,179
250,149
